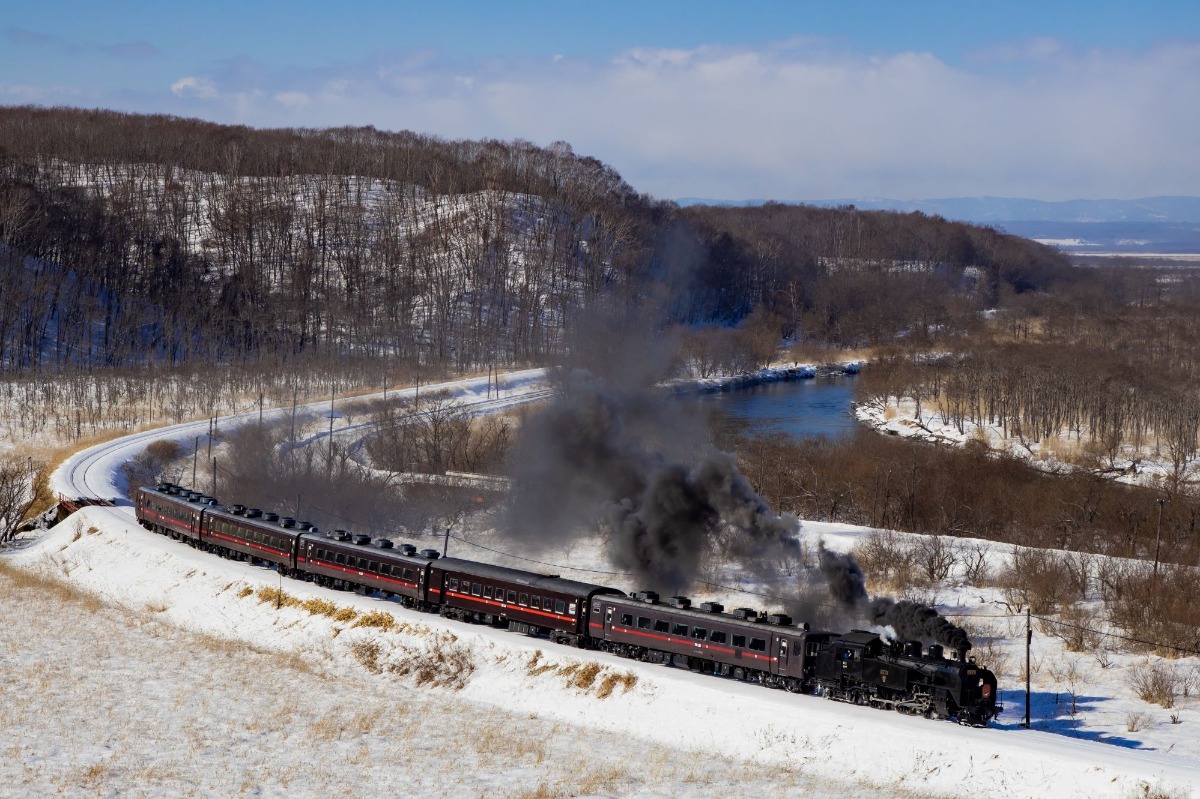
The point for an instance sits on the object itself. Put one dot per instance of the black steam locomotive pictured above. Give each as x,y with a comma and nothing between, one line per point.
857,667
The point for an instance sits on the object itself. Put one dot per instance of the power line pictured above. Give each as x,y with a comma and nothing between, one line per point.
1156,644
763,595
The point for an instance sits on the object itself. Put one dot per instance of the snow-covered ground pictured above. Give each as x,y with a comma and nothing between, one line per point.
188,678
178,679
1137,467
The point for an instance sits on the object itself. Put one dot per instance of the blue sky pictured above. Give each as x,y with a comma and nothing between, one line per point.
766,100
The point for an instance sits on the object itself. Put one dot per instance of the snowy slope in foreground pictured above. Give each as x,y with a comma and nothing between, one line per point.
125,564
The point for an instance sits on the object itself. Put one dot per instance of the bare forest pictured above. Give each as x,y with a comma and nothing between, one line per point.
156,242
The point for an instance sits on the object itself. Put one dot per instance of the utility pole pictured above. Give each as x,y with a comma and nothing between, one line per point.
195,458
214,480
1158,538
260,407
332,395
446,542
211,425
1028,644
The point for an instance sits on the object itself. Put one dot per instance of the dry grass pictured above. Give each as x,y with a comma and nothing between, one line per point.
26,581
1147,791
444,663
367,653
378,619
589,676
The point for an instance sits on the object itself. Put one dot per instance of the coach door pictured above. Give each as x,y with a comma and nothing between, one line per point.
782,659
608,614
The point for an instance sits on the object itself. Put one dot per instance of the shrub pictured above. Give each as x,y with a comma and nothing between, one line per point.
1158,614
1136,721
1076,629
885,558
1043,580
1157,682
935,557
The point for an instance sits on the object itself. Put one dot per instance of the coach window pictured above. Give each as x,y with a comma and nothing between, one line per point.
408,574
560,606
512,596
524,599
699,633
626,620
453,584
535,602
679,629
373,566
339,558
739,641
643,623
385,569
758,645
487,592
661,626
717,637
475,589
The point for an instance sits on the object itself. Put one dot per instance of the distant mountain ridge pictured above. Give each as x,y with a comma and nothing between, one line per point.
1168,225
990,210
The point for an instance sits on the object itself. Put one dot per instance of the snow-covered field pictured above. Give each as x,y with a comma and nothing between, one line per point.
161,671
181,680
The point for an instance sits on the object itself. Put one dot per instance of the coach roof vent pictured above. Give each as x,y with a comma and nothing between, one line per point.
431,554
679,601
747,614
383,543
237,510
287,521
362,539
408,549
253,513
712,607
337,535
782,619
270,516
649,597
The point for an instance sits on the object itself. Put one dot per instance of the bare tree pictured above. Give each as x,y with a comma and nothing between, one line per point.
18,493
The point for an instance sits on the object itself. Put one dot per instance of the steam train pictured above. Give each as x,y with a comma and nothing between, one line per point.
857,667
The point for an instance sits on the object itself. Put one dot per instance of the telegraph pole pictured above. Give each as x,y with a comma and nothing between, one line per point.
1158,538
1028,644
195,458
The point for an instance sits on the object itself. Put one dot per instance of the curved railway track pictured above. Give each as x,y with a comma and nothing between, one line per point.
95,472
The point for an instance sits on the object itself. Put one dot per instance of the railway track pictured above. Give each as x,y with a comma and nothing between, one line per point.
95,472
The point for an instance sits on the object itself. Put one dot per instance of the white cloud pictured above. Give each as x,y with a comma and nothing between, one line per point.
199,88
292,99
788,121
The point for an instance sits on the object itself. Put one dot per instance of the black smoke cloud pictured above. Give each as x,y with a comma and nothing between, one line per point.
612,450
911,620
641,463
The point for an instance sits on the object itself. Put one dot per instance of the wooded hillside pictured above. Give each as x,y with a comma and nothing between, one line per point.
129,240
